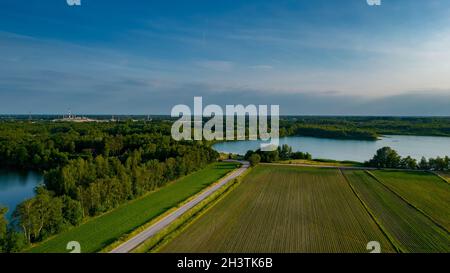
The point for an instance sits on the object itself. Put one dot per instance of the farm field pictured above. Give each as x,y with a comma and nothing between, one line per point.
425,191
101,231
408,229
284,209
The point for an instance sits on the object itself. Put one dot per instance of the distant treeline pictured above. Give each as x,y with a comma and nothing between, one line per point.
326,131
364,128
340,127
89,169
49,117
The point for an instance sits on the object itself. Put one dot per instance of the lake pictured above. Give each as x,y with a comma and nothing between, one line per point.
354,150
16,186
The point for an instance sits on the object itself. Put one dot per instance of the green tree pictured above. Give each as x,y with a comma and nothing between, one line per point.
385,157
408,163
423,164
254,159
14,242
39,216
72,211
285,152
27,220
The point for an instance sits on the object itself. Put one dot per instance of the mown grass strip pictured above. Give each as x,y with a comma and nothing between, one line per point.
101,231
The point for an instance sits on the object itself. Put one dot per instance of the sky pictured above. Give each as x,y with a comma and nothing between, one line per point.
321,57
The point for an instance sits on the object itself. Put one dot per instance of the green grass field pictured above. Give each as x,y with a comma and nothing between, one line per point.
284,209
104,230
425,191
408,229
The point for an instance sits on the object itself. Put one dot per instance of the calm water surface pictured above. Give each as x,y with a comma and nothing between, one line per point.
16,186
355,150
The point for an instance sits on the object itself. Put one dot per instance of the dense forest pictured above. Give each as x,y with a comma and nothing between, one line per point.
89,169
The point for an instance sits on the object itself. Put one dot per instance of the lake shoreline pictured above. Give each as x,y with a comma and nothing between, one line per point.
349,150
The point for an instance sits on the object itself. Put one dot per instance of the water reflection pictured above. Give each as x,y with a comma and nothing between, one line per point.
16,186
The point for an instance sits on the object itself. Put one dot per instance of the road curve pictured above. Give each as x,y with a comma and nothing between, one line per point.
155,228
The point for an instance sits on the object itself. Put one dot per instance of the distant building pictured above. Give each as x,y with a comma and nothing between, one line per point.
73,118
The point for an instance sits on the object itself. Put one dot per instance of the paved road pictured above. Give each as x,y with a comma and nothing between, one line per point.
155,228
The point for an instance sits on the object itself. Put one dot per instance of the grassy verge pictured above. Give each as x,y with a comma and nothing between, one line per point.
99,232
322,162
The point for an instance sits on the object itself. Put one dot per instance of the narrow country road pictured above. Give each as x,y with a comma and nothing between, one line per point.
155,228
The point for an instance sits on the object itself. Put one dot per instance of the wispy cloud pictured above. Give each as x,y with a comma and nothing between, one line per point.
215,65
261,67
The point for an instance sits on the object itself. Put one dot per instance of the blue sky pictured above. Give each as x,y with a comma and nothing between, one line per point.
322,57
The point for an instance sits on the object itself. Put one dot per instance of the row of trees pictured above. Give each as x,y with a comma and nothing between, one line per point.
99,167
283,152
386,157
